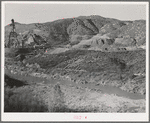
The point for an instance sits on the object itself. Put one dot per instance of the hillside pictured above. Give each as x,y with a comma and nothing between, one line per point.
64,31
113,68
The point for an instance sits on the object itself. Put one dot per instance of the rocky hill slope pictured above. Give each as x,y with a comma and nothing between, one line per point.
70,30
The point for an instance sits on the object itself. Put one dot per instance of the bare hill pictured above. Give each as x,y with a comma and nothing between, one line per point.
63,31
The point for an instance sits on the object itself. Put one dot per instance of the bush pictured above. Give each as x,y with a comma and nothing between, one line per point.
23,101
56,101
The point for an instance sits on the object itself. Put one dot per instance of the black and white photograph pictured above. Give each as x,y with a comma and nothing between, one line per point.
74,61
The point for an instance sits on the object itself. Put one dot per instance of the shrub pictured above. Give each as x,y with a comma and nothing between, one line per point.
23,101
56,101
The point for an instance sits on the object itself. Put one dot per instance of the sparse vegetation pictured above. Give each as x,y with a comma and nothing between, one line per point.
22,101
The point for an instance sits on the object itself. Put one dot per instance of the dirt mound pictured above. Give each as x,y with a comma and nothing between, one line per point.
95,41
125,42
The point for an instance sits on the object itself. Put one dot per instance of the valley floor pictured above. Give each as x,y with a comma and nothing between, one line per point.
73,97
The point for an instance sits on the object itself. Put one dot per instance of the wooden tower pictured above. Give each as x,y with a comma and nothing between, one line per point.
13,41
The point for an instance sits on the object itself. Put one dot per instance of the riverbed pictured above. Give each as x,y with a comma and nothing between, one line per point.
49,80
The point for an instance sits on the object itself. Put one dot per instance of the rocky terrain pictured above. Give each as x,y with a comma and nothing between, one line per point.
82,64
67,31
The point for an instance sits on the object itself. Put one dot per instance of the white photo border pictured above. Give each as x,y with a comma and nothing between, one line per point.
70,116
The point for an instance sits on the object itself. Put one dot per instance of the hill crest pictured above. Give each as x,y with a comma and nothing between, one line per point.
62,31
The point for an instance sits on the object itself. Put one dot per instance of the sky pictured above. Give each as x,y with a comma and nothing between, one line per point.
37,12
